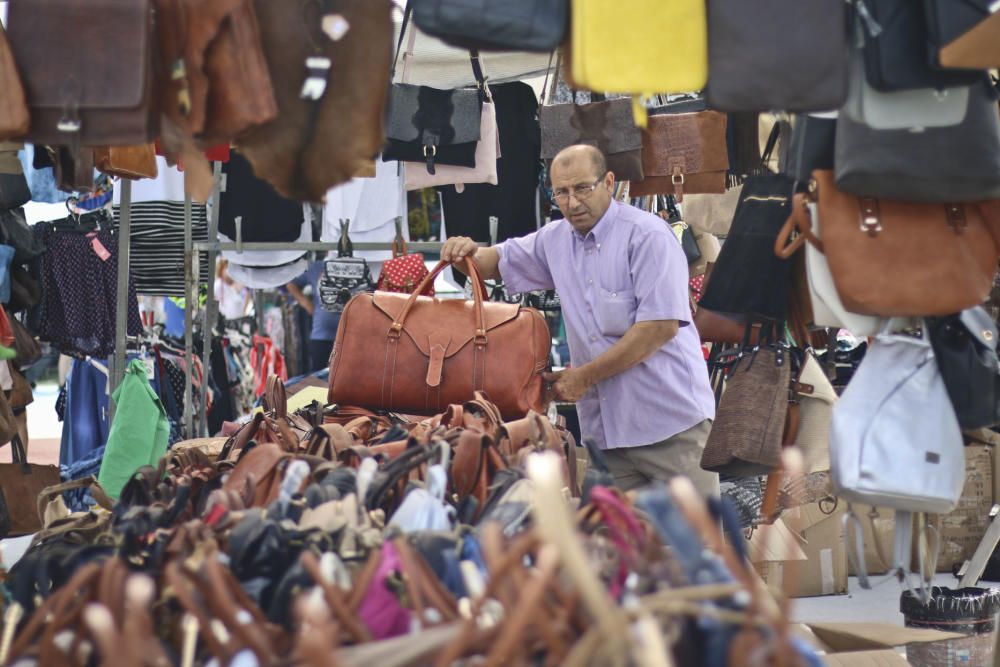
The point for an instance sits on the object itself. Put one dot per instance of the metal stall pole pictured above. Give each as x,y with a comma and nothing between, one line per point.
121,296
211,307
190,294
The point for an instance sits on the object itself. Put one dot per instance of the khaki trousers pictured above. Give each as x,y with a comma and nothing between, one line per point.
634,467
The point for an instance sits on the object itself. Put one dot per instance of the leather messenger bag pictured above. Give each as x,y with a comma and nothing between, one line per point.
417,355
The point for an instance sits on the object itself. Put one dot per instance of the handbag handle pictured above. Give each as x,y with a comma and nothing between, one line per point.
798,221
344,246
478,296
96,491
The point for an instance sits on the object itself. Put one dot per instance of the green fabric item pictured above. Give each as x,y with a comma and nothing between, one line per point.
139,433
7,353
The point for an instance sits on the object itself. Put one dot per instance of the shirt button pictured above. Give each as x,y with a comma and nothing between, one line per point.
593,339
590,282
614,294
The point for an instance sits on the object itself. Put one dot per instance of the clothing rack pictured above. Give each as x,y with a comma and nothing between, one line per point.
192,264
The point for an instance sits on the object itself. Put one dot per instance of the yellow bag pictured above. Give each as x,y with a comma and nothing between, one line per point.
642,47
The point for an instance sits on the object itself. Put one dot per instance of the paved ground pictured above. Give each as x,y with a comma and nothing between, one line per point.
44,427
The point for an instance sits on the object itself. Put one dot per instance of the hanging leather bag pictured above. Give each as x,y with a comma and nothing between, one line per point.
965,347
330,121
618,47
494,25
948,20
14,191
98,95
811,146
433,126
897,49
893,258
132,162
973,45
417,354
20,484
746,436
764,207
682,153
606,124
786,55
938,164
14,117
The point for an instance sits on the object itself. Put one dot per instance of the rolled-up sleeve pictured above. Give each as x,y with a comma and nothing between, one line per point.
660,277
523,264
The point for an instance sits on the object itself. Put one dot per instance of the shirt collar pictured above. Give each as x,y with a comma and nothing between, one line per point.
600,231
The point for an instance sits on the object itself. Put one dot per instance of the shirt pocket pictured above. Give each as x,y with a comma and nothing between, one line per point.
615,311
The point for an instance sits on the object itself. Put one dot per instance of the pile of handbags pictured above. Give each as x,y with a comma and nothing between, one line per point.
340,534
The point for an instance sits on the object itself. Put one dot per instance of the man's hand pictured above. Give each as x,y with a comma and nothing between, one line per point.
568,385
458,248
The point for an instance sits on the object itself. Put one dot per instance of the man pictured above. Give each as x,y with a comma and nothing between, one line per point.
324,323
638,377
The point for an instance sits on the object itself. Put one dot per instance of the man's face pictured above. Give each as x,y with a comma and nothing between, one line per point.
571,186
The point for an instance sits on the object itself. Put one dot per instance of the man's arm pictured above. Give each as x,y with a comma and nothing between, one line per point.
301,297
487,259
639,343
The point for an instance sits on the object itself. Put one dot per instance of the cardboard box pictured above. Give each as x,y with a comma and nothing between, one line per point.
871,644
887,658
814,534
962,530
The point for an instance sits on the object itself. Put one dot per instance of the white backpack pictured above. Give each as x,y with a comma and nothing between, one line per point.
895,441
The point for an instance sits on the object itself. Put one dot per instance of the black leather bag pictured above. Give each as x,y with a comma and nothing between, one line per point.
14,190
948,20
958,163
749,281
15,232
811,147
898,51
965,346
781,54
431,125
494,25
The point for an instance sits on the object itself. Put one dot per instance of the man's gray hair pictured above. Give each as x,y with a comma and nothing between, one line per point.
570,153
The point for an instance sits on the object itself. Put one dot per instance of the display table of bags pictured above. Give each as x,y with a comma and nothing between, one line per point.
340,534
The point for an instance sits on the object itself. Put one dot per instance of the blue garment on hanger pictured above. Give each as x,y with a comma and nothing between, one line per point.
6,255
174,326
41,182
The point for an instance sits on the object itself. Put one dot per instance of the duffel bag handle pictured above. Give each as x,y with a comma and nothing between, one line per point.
478,296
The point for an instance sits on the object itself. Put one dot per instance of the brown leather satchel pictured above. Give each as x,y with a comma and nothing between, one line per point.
85,87
20,484
14,118
904,259
683,153
315,144
418,354
133,162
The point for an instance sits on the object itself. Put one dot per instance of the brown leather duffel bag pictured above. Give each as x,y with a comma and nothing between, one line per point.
417,354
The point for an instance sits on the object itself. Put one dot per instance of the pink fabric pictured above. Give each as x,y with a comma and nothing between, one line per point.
380,611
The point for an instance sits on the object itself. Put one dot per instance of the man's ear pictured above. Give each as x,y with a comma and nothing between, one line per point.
609,180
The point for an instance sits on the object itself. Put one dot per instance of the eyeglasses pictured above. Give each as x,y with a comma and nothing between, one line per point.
561,196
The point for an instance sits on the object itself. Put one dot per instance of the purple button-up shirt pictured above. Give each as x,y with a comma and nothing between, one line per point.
629,268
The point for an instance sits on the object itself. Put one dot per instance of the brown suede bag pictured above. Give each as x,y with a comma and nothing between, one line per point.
683,153
313,145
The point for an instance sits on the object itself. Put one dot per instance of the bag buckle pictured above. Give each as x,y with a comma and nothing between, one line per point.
956,217
480,338
70,119
870,222
394,331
